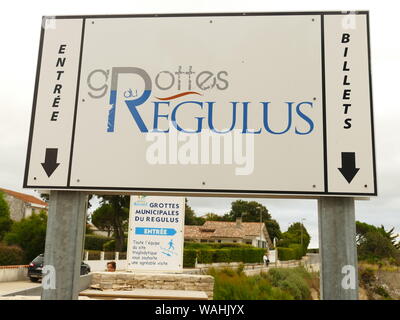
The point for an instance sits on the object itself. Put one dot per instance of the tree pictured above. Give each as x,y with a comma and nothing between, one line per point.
250,212
389,235
46,198
103,218
274,229
190,216
115,209
29,234
375,243
213,217
5,220
376,246
296,234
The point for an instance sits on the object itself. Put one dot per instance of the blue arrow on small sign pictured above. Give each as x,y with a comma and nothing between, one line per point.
155,231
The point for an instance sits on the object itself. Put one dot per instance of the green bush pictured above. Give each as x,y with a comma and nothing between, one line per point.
291,280
237,254
222,255
5,220
11,255
233,285
189,258
205,256
366,276
229,254
29,234
212,245
285,254
231,245
95,242
382,292
110,245
298,250
253,255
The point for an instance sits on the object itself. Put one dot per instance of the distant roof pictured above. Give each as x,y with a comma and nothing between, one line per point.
24,197
224,229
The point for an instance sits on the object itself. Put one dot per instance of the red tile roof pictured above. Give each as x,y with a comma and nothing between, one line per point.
24,197
224,229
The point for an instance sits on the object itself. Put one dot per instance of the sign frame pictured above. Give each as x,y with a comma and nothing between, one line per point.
205,191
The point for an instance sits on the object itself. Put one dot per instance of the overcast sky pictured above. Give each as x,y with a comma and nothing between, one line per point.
20,30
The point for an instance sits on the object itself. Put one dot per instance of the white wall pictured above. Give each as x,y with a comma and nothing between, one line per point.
101,265
13,274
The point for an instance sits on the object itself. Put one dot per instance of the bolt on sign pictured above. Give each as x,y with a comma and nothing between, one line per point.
155,236
226,104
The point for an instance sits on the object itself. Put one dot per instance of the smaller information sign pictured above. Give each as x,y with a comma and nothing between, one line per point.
155,239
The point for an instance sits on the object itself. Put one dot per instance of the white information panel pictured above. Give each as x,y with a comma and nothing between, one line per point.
155,238
241,104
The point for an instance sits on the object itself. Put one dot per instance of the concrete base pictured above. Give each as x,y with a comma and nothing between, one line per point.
145,294
128,281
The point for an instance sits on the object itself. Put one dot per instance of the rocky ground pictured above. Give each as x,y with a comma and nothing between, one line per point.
379,282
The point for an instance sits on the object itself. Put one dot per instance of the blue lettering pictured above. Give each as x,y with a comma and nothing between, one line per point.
156,116
199,119
303,116
210,117
266,121
245,130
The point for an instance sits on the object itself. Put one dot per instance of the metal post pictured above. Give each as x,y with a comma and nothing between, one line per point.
338,250
63,250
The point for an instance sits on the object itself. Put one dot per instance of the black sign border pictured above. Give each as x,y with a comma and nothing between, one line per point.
202,192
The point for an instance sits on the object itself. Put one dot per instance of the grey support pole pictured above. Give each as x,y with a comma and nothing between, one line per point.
63,251
338,250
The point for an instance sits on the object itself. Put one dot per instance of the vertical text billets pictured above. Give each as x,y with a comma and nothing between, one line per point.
346,81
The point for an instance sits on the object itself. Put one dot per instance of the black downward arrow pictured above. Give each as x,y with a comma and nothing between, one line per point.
348,168
50,161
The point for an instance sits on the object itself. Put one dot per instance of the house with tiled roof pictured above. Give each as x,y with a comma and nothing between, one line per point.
254,233
22,205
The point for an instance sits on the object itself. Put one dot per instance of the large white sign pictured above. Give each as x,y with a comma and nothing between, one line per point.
155,238
266,103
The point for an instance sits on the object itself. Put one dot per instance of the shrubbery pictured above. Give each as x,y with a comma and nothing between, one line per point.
5,220
189,258
213,253
235,285
299,251
375,244
285,254
222,255
29,234
11,255
294,242
110,245
212,245
291,280
205,256
95,242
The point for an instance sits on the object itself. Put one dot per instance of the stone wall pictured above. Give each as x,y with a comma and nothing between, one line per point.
129,281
